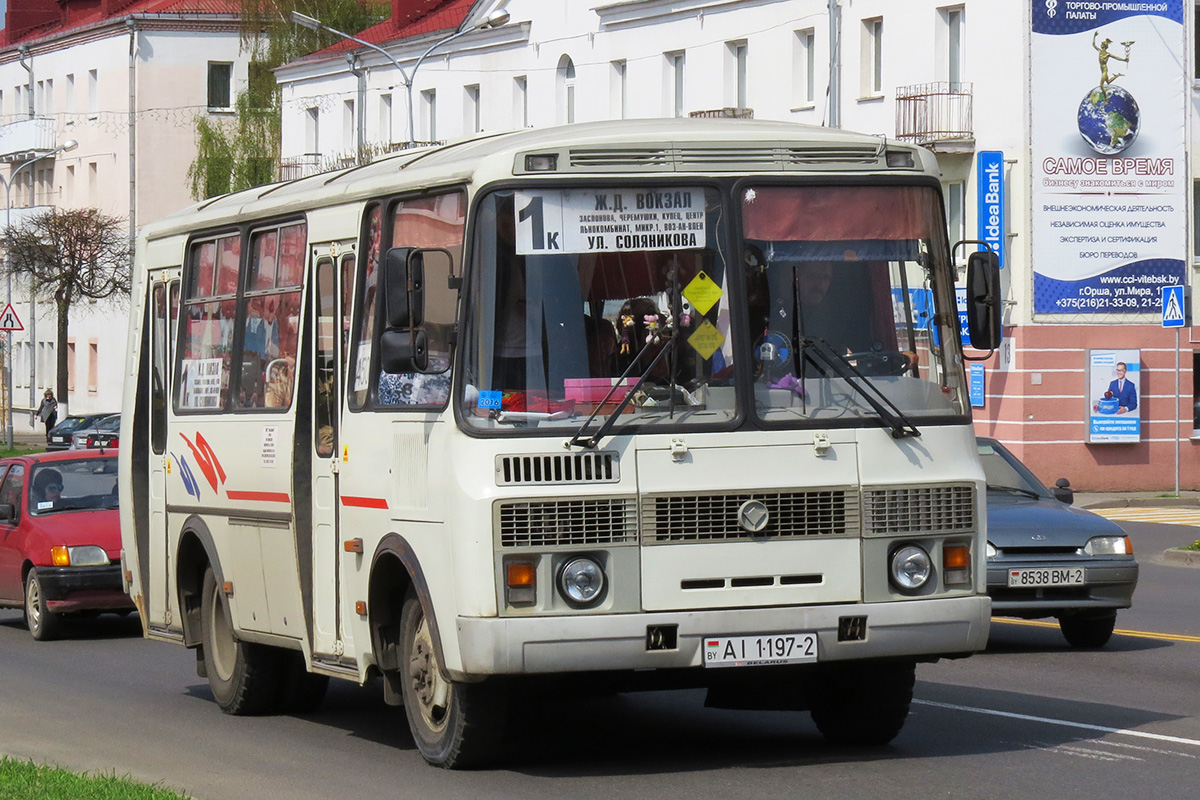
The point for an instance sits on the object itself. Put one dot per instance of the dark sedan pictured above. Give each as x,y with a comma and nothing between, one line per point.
60,434
1047,558
60,537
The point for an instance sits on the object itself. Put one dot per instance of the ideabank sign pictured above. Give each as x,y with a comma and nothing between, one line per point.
990,212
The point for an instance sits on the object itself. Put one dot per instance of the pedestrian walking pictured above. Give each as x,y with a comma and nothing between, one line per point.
48,412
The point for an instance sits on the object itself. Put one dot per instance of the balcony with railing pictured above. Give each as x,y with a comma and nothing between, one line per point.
936,115
26,138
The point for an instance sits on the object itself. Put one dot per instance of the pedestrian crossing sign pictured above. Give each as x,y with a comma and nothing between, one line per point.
9,320
1173,313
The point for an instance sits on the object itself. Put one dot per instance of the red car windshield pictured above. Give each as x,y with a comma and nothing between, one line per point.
74,485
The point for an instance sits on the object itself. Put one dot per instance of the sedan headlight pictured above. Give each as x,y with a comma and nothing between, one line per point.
581,581
991,550
1109,546
910,568
87,555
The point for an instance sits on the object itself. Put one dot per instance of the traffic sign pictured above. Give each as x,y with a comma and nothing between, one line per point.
9,320
1173,315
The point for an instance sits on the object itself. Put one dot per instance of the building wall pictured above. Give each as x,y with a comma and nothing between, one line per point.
1043,421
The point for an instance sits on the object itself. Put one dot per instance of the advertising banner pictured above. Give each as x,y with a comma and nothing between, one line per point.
1109,211
1114,389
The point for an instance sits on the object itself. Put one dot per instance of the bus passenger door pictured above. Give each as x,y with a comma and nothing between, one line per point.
164,316
333,269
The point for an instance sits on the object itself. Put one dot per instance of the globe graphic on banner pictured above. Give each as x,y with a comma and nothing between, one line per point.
1109,119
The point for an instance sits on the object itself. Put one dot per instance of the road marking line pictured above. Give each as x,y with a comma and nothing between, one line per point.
1169,637
1171,516
1158,737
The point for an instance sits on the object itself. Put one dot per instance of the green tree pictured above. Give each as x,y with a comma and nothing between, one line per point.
70,255
241,153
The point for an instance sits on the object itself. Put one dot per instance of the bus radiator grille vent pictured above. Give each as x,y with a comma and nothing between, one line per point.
565,522
715,518
551,469
923,509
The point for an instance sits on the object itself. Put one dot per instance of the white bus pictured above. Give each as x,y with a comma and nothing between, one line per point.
673,403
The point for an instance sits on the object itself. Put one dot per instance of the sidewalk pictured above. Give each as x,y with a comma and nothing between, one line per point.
1161,499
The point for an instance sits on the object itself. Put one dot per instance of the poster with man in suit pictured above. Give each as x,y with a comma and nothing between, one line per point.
1114,378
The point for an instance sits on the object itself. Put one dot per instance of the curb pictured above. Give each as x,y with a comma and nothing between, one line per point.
1182,558
1143,502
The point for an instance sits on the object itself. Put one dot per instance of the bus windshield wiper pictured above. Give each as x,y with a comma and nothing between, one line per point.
888,412
592,441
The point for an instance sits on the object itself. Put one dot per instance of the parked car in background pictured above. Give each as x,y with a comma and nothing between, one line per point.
60,537
61,434
1047,558
109,424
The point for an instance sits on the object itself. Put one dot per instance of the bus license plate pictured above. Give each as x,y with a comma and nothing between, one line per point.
1069,576
754,651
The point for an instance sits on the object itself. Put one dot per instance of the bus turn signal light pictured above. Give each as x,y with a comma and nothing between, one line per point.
956,564
521,580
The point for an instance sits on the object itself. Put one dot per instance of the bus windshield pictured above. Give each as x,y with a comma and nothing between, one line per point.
841,291
577,295
580,297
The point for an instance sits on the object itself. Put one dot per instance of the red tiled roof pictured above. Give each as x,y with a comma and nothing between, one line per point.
409,18
31,19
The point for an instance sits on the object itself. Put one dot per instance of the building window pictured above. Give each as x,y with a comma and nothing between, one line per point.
312,141
70,365
565,78
804,62
521,101
220,83
618,90
93,184
951,47
872,57
93,93
347,124
471,119
956,211
69,193
1196,222
70,94
735,74
93,365
675,63
429,114
385,118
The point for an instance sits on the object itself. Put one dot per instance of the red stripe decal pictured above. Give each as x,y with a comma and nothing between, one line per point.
266,497
364,502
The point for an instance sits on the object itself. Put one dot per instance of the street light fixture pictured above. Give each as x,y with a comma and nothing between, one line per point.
495,19
69,144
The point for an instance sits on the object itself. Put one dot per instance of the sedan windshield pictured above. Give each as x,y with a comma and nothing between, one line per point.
582,297
849,271
73,485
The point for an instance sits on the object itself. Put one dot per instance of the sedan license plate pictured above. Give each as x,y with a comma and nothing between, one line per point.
1033,578
754,651
59,438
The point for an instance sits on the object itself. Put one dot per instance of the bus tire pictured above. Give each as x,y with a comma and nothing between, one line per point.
43,623
863,704
454,725
244,677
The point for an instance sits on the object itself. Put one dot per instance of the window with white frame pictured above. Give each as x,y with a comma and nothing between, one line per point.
312,131
804,62
93,106
956,211
871,64
220,85
950,44
348,126
565,89
735,74
429,114
69,98
385,118
674,64
471,119
618,89
520,110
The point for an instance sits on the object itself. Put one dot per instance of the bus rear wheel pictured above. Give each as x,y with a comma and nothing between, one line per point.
454,725
864,703
244,677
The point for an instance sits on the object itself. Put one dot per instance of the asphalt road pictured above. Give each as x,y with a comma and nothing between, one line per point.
1030,717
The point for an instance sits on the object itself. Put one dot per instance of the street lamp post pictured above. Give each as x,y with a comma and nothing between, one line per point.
69,144
495,19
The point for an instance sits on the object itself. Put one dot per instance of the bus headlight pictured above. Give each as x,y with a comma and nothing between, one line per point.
581,581
910,568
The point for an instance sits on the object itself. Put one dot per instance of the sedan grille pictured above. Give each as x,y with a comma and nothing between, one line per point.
707,518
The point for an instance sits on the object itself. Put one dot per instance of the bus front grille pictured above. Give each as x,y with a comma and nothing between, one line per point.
919,509
717,517
567,522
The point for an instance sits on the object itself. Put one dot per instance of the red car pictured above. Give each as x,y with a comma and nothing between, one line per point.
60,537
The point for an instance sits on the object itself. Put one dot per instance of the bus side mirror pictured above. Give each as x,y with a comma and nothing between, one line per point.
403,288
403,351
983,299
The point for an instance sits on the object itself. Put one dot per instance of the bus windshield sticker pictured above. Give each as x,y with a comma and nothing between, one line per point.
702,292
599,220
362,367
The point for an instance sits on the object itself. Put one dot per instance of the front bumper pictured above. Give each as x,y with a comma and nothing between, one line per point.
583,643
83,588
1109,585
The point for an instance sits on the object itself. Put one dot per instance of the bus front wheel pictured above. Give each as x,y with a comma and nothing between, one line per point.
863,703
244,677
454,725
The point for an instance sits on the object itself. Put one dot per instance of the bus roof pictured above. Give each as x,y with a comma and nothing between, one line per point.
698,146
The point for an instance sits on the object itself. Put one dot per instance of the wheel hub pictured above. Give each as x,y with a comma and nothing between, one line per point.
425,678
